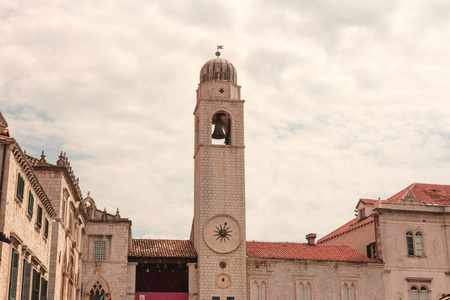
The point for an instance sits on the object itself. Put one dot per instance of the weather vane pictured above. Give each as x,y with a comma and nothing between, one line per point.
218,48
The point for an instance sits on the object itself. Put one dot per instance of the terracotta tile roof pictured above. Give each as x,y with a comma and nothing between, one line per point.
354,223
162,248
368,201
298,251
428,193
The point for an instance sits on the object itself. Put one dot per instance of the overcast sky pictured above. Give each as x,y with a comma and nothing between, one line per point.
344,100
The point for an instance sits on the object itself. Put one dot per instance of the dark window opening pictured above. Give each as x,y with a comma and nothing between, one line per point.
221,133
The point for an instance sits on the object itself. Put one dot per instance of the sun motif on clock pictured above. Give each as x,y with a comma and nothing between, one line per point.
223,232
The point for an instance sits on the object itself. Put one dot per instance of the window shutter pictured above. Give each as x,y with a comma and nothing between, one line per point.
20,187
26,280
46,228
39,217
44,289
13,275
30,203
36,282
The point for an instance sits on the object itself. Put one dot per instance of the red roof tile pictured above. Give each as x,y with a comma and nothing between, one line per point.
298,251
368,201
162,248
354,223
428,193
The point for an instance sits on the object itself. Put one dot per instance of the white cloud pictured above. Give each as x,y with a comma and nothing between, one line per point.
344,100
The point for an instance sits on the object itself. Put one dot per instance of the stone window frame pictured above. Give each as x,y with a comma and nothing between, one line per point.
305,279
411,235
419,283
259,279
347,282
100,238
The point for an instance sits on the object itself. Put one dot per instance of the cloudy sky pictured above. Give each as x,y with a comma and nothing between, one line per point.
344,100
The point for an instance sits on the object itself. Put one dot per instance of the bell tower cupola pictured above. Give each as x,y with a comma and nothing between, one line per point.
219,183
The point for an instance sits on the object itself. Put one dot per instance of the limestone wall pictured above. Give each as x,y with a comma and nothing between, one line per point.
283,277
113,272
16,222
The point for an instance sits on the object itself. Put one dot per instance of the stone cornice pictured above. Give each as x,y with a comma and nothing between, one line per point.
29,172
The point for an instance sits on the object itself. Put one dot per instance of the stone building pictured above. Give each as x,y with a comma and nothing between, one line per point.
106,243
62,188
394,249
409,233
217,263
25,219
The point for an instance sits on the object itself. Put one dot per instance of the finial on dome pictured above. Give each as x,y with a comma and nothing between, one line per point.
218,48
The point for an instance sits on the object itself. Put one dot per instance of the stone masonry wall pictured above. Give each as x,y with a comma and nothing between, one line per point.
15,219
111,272
327,278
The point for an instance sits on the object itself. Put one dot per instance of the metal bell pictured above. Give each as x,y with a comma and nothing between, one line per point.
218,133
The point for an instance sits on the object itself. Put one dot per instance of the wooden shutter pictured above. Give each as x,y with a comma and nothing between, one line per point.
46,228
30,203
39,217
36,282
43,289
20,187
26,280
13,275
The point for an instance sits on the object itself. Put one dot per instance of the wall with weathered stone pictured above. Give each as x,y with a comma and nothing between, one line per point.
403,271
282,278
113,272
15,221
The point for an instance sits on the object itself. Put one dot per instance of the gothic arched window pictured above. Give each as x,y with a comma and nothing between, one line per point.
414,243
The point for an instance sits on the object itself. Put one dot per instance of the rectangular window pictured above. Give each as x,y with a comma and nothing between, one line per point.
43,289
46,228
362,213
371,250
215,298
26,280
13,275
20,187
230,298
63,213
39,217
100,250
30,203
36,283
410,243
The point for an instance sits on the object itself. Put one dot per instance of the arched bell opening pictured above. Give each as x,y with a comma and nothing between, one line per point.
221,128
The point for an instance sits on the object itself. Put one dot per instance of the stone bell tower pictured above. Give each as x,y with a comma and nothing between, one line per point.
219,193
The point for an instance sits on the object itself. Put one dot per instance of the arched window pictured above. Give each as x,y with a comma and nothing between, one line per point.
255,291
262,290
419,245
308,291
346,294
301,295
353,292
414,293
423,293
410,243
414,243
221,133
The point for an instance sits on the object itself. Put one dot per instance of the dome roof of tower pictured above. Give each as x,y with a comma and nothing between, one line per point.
218,69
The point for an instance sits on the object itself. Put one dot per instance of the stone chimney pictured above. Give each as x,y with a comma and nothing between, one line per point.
311,237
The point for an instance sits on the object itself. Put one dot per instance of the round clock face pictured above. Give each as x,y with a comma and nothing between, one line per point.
222,233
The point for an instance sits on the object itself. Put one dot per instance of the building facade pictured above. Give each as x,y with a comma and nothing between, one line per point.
409,233
56,244
25,218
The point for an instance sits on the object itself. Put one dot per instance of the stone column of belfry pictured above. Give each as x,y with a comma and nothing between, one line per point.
219,194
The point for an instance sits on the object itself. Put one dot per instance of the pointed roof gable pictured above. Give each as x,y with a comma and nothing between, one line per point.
427,193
